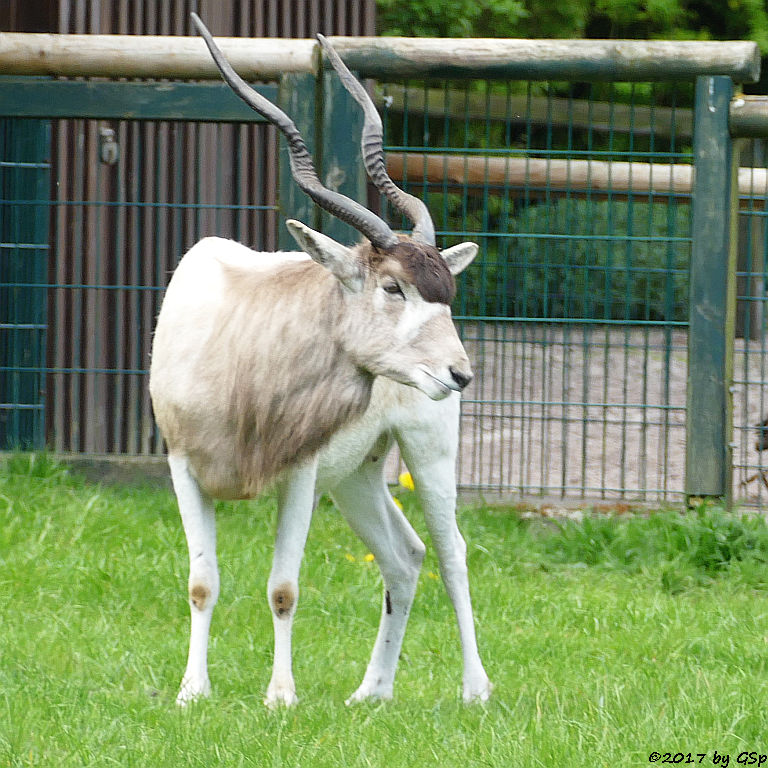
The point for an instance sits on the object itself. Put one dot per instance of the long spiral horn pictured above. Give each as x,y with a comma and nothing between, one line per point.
303,169
373,154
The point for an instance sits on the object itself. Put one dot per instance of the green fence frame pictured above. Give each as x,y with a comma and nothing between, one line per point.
709,422
24,176
311,98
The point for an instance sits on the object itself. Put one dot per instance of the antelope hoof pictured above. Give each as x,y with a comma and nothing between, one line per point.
278,696
368,692
193,690
477,691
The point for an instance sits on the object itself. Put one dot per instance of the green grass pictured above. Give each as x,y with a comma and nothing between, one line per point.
606,640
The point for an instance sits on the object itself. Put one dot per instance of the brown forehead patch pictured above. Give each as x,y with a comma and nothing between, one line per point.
424,267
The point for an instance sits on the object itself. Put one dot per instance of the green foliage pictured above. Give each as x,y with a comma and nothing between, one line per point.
660,19
684,549
449,18
583,259
38,465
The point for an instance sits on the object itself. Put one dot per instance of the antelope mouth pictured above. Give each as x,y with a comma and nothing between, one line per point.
445,387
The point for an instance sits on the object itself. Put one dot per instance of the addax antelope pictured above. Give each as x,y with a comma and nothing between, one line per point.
299,371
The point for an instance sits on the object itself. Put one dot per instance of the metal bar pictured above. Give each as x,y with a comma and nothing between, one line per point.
136,203
297,97
712,296
587,321
105,100
340,122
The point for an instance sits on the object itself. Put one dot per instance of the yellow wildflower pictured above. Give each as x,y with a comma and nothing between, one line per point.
397,501
350,557
406,480
369,558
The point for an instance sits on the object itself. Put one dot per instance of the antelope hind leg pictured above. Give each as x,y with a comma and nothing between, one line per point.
296,500
197,516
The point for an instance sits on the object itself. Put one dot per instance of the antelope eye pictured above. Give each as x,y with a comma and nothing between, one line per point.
393,288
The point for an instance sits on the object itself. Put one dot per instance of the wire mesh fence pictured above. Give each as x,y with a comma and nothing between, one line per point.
25,173
115,230
575,314
120,229
751,353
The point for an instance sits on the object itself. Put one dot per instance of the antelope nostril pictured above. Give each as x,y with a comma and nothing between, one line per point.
462,379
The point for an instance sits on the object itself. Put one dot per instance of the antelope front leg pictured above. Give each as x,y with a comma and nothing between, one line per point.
296,499
197,517
435,486
364,501
429,448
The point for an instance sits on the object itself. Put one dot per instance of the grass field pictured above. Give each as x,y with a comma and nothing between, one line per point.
607,640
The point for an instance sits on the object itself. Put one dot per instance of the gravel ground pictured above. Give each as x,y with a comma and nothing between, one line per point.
593,413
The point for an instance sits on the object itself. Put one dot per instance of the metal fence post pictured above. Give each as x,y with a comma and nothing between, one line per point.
24,214
340,122
330,121
712,295
297,97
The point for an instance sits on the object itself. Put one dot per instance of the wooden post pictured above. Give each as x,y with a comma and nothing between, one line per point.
155,56
712,296
572,177
399,58
749,117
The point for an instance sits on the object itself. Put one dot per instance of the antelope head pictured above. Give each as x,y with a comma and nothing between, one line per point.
397,289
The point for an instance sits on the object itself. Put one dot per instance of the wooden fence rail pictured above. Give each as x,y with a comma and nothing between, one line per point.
516,174
381,57
537,110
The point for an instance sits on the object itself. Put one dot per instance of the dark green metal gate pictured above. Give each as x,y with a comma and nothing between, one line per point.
24,246
599,315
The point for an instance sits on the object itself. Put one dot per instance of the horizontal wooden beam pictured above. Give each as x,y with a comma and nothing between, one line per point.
109,100
146,56
580,60
176,57
538,110
748,117
557,176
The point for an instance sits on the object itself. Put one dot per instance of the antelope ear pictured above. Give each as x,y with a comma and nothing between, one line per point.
459,257
336,258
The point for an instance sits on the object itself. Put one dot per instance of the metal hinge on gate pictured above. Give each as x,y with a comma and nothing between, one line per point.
109,149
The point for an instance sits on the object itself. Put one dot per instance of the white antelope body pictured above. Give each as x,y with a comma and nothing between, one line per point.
301,370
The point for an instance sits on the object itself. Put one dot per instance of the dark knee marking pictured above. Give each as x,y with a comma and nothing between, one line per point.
283,600
388,602
199,595
381,448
